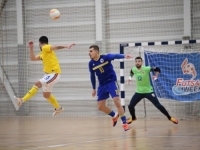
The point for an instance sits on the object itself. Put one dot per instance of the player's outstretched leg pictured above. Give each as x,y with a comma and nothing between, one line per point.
157,104
132,112
131,107
28,95
19,101
174,120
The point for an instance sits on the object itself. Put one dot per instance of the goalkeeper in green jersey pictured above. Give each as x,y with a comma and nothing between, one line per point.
144,89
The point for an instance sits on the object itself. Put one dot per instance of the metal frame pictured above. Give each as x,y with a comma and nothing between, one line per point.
139,44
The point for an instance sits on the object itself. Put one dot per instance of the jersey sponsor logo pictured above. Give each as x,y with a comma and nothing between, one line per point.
185,87
97,67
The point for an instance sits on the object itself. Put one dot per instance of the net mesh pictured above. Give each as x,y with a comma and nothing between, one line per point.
162,56
122,21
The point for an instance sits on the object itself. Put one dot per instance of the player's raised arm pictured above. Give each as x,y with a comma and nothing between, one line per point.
33,57
118,56
157,70
58,47
128,56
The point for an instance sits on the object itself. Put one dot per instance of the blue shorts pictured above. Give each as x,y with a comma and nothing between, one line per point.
111,88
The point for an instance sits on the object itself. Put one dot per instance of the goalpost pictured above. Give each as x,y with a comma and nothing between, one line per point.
164,47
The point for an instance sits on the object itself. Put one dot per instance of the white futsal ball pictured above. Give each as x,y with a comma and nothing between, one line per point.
54,14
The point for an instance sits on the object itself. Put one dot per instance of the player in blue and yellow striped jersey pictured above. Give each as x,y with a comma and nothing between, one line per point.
102,67
51,69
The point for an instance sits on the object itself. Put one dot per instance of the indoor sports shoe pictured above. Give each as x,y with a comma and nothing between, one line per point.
114,119
57,111
126,127
174,120
130,120
19,101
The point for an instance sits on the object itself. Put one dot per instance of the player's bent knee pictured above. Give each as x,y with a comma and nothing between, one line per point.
38,84
46,95
100,107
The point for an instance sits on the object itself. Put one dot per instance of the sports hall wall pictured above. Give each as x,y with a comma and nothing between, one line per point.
123,21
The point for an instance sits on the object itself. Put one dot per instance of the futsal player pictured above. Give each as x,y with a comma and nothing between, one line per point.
102,67
144,89
51,68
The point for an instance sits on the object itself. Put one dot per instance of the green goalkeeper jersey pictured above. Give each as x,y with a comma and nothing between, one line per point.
143,84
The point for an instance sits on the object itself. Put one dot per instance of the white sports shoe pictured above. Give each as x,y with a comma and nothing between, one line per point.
57,111
19,101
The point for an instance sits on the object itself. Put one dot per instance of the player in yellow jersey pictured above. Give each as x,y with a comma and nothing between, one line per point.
51,69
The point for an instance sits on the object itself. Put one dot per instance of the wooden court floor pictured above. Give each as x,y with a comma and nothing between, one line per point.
90,133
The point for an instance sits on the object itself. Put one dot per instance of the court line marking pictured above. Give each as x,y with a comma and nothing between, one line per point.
74,143
14,143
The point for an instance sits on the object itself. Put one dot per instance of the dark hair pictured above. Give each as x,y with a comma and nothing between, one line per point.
43,40
138,58
95,47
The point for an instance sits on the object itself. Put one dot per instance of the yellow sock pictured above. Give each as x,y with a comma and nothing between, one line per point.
31,93
53,101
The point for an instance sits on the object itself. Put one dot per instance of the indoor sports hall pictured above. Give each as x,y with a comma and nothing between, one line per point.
164,33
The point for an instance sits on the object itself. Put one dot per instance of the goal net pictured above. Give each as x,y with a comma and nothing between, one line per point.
178,85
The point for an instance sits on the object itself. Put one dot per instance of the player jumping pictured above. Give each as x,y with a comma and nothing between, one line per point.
51,69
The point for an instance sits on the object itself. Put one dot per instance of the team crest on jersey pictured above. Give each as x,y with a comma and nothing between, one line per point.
101,60
142,72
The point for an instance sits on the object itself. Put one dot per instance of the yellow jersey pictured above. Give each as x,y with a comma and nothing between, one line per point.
49,60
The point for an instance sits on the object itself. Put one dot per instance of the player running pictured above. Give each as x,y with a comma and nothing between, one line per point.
102,67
